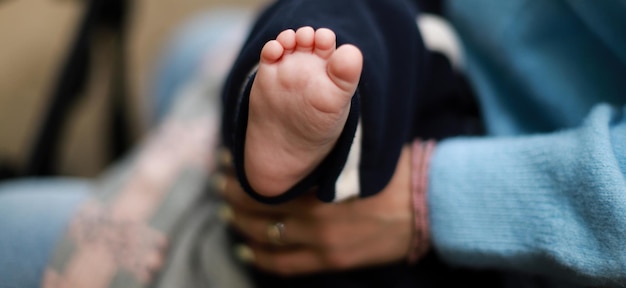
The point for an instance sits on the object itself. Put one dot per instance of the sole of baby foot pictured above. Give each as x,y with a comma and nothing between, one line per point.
299,104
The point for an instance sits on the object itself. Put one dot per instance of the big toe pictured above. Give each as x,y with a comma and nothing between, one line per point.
344,67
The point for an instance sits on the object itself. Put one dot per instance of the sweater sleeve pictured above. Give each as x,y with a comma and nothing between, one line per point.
552,204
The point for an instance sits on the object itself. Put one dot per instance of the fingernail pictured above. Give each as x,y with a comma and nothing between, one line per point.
244,253
225,157
219,182
225,213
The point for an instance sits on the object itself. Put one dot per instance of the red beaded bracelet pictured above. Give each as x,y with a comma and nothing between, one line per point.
420,154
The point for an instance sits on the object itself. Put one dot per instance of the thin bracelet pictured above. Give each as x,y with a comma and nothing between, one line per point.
421,153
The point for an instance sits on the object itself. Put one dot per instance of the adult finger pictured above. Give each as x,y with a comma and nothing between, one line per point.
302,259
297,261
235,196
268,230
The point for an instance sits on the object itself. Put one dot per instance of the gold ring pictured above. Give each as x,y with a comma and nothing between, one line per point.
275,233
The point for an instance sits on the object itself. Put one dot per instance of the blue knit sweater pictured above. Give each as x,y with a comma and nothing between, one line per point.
545,192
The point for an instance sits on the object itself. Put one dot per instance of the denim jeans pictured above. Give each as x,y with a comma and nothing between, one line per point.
33,214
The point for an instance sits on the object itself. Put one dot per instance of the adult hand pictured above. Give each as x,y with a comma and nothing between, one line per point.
319,236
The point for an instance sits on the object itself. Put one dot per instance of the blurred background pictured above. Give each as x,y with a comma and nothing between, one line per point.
36,37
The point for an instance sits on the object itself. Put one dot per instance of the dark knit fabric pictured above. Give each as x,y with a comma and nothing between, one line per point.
393,52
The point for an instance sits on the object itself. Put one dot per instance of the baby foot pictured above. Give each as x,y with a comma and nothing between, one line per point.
299,104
